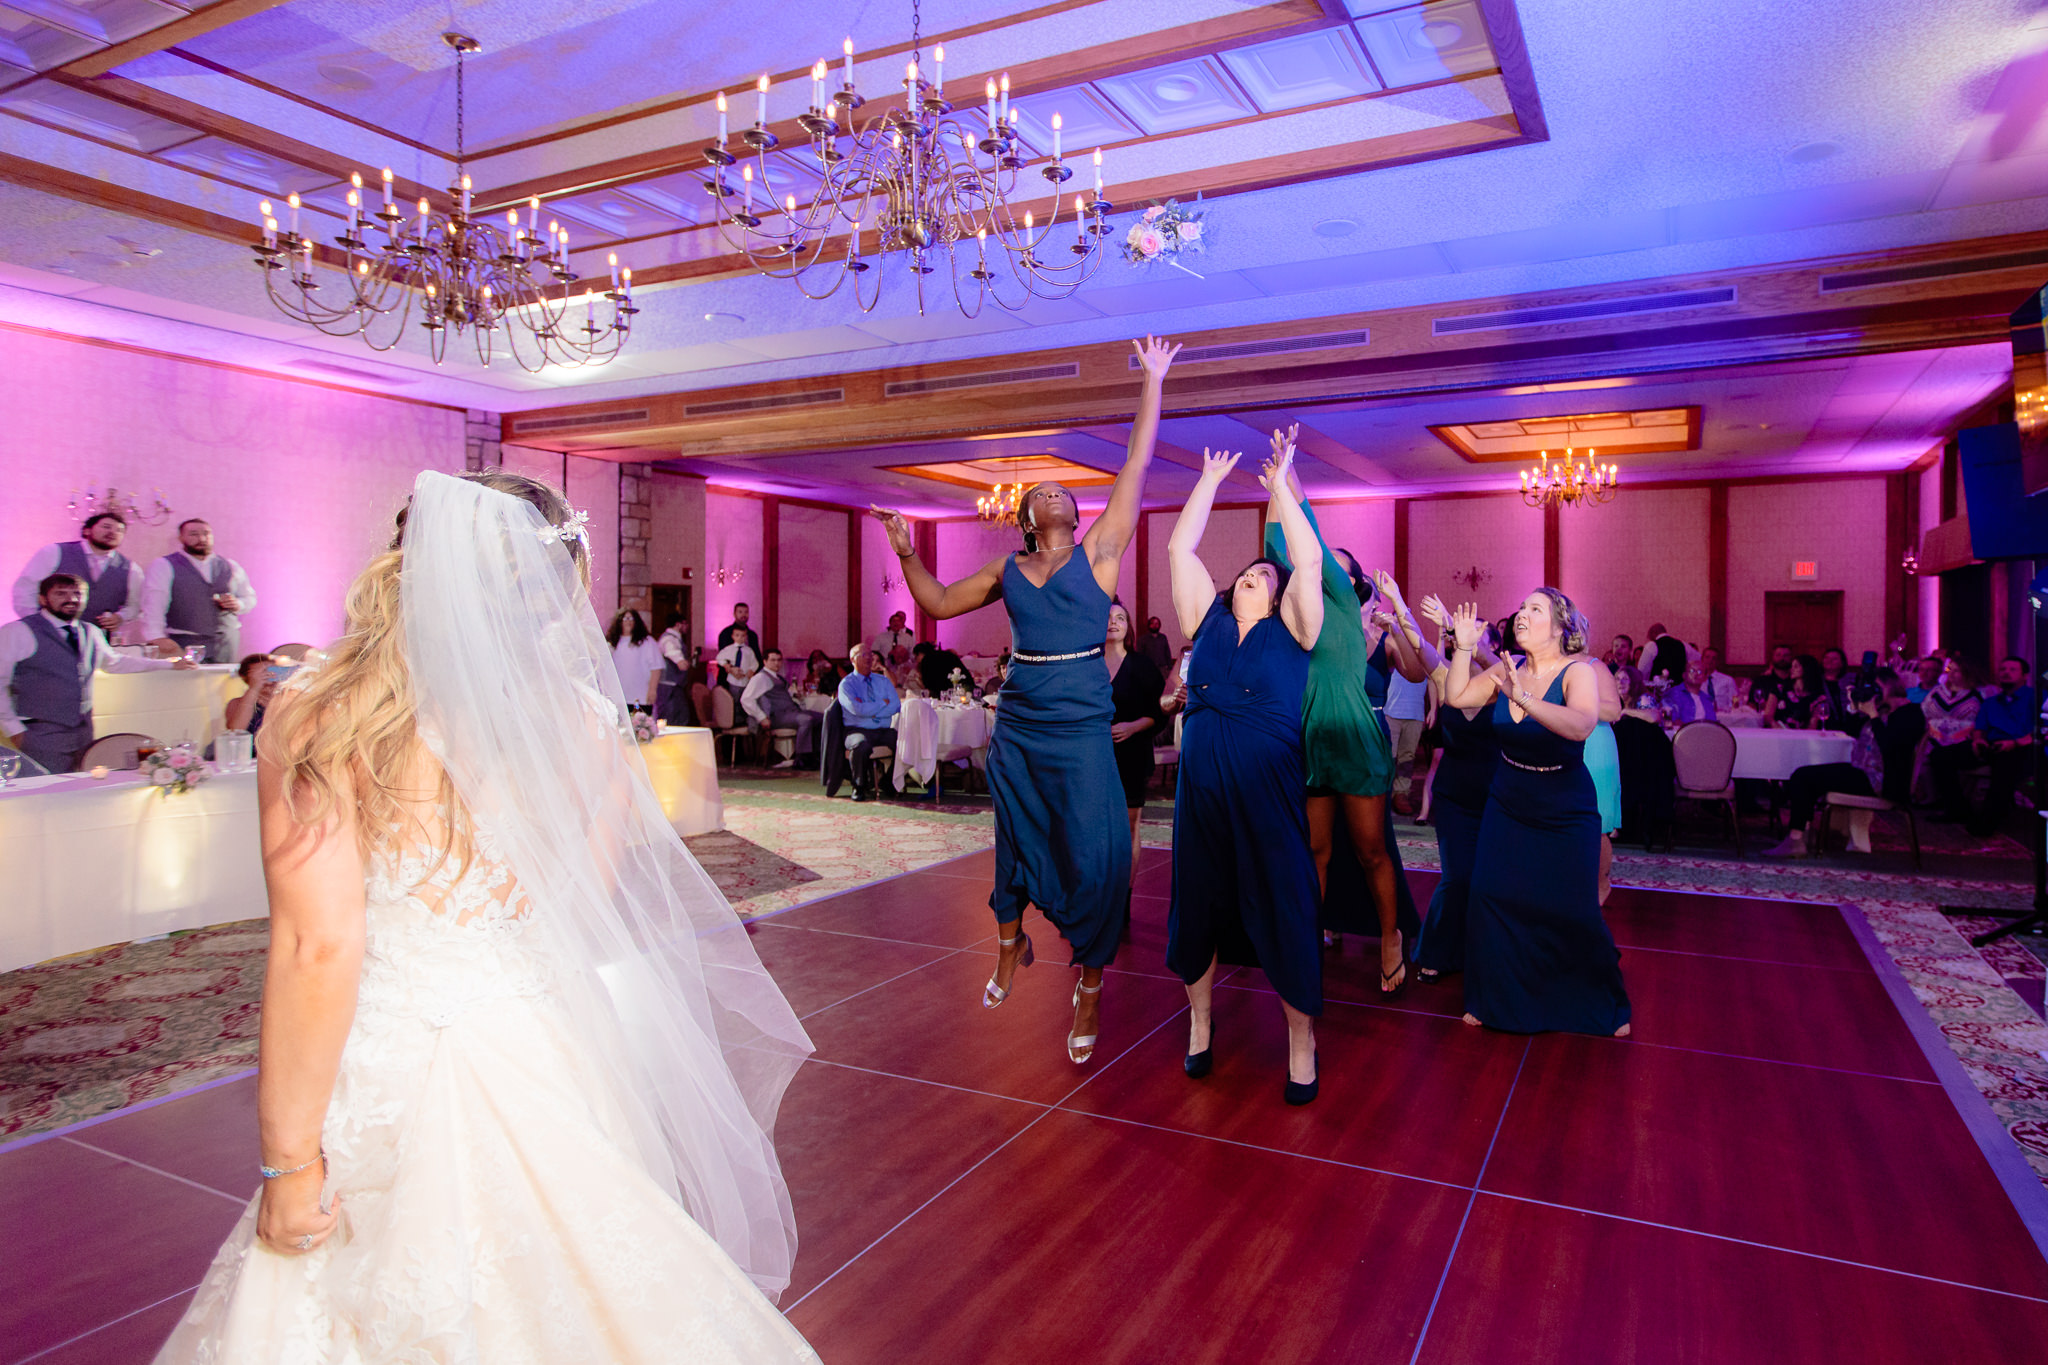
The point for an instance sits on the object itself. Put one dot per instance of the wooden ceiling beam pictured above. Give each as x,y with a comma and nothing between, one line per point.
196,24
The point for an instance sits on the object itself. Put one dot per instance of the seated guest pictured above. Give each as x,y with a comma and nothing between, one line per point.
935,667
1720,686
2002,738
1774,682
868,701
1621,661
824,674
672,694
193,597
1888,729
996,676
1741,711
1803,704
768,702
47,661
1835,681
113,594
637,656
1690,700
1636,701
1926,675
1951,707
260,674
893,644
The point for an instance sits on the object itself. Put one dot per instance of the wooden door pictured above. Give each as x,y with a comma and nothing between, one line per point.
1807,621
671,600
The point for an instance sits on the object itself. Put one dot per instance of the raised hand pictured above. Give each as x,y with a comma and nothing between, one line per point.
897,527
1216,465
1465,625
1432,610
1273,477
1390,590
1155,355
1283,441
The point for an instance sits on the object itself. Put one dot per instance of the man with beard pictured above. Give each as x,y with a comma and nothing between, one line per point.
113,593
194,597
47,660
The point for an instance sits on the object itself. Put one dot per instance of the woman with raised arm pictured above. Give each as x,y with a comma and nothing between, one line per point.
519,1063
1537,954
1458,800
1062,842
1244,879
1350,763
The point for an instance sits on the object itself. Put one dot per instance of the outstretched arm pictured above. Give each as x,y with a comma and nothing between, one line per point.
1193,588
939,600
1112,531
1301,609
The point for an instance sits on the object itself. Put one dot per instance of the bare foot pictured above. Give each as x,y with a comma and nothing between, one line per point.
1007,959
1087,1017
1391,958
1473,1020
1621,1032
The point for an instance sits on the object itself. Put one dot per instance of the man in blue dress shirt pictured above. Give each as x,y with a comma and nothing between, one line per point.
2004,739
868,702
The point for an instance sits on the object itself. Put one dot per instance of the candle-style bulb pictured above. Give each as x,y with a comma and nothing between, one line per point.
355,179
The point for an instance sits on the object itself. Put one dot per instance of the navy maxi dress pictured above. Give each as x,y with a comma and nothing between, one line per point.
1457,803
1348,906
1244,880
1538,955
1063,842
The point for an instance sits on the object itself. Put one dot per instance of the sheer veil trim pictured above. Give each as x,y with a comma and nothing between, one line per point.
518,699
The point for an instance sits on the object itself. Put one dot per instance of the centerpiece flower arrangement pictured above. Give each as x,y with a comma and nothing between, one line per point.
961,682
645,727
175,770
1166,232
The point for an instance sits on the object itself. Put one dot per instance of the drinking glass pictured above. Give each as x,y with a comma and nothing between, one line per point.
236,750
195,654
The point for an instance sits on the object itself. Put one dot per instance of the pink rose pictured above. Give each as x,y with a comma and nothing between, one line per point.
1154,214
1150,243
1190,232
181,760
163,777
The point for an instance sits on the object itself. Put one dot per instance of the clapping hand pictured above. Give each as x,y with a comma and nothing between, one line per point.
1465,625
898,529
1216,465
1155,355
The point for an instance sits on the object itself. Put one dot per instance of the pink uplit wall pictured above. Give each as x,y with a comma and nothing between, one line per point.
732,540
963,547
1231,541
300,482
675,553
1639,561
1929,585
592,487
810,581
1496,534
877,561
1838,523
1364,528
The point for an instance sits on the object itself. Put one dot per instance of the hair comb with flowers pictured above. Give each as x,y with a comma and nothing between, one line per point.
575,528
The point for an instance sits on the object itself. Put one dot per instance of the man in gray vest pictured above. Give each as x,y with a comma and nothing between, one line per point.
113,593
47,660
193,596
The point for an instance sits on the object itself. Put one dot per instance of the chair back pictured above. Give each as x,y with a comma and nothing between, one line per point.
1703,752
113,751
295,652
721,708
700,703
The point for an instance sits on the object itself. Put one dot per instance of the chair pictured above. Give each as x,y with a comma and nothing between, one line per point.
113,751
295,652
1166,757
14,765
1703,753
1861,809
723,726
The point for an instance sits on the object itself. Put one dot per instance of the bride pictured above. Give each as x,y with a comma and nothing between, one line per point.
519,1063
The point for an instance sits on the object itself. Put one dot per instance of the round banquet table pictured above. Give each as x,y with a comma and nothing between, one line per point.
172,705
1775,754
925,729
682,765
821,702
90,863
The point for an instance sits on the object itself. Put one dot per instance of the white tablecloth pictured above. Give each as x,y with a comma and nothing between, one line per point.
1774,754
821,702
168,704
682,763
92,863
926,729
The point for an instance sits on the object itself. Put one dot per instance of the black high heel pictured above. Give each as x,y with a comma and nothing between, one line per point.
1199,1064
1297,1094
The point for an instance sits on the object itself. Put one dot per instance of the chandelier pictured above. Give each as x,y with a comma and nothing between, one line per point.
128,506
462,274
939,195
1000,506
1572,481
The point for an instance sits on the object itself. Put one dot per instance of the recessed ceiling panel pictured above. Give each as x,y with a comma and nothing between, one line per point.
1088,121
1427,42
613,214
1167,99
1006,469
681,195
96,117
1621,433
232,161
1313,68
43,45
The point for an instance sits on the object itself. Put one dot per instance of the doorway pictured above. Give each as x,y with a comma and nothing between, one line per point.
1809,622
667,602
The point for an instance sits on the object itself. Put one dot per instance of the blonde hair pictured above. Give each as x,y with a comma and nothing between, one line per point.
350,732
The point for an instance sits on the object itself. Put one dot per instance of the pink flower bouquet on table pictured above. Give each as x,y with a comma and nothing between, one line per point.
644,727
1165,233
175,770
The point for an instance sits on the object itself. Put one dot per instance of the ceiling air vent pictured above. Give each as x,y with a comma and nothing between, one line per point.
1844,280
904,388
765,403
529,426
1585,312
1244,350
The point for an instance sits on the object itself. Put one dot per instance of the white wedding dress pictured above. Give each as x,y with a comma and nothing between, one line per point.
551,1134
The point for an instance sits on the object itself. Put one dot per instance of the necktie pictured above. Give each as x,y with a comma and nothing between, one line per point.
71,638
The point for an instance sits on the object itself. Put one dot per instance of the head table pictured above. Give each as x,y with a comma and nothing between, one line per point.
172,704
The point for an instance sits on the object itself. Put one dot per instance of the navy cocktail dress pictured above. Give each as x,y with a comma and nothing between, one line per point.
1457,803
1348,906
1063,842
1244,880
1538,956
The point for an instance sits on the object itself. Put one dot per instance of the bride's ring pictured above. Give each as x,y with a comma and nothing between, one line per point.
305,1243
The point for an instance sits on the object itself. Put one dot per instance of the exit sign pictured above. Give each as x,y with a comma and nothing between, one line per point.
1805,570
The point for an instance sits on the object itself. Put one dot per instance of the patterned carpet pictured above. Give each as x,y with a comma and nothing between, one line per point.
106,1030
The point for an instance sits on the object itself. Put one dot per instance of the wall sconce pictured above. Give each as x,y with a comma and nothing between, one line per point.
723,576
1472,577
890,582
1910,562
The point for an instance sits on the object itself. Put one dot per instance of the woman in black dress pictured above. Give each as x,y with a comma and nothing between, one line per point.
1134,689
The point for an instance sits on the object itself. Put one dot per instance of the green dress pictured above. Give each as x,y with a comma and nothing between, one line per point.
1347,747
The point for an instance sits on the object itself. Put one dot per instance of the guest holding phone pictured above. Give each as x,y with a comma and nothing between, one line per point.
261,674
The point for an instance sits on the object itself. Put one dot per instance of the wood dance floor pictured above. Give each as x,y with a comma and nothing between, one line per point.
1771,1170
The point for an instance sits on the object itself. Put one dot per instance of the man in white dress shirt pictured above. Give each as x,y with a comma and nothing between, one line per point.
741,660
1719,685
113,592
47,660
892,646
193,596
768,702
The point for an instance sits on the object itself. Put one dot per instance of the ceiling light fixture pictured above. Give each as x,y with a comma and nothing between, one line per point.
1574,481
937,195
462,273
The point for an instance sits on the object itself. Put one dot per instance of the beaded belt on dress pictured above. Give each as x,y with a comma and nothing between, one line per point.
1020,657
1531,767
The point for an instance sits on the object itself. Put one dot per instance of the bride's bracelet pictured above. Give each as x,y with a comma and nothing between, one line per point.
272,1172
